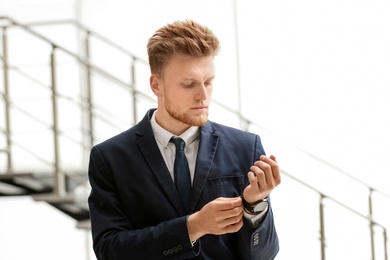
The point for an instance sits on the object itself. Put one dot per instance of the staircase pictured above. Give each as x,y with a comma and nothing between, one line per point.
55,108
49,114
41,189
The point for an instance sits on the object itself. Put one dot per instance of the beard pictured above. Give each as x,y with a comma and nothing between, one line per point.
186,118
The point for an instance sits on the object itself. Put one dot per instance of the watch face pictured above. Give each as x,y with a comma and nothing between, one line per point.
261,206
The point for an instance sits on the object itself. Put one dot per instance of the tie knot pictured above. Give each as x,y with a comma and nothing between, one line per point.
179,143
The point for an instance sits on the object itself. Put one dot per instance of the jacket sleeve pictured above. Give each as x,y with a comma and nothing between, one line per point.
113,235
261,242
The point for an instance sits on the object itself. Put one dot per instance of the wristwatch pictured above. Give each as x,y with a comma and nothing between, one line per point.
257,207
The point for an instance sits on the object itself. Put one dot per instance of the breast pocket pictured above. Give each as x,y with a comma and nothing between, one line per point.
226,186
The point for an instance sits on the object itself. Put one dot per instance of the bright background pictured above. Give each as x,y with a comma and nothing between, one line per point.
314,76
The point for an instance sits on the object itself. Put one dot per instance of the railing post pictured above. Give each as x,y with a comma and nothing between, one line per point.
133,90
7,103
322,227
244,123
385,241
88,91
59,178
371,224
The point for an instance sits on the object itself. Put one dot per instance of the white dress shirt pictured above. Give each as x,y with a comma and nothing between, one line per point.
191,139
168,150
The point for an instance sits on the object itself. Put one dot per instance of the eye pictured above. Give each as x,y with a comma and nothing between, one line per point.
208,83
188,84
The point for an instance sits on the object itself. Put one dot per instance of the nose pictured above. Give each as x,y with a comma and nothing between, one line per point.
202,93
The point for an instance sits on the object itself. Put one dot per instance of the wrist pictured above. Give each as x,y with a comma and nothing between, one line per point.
253,199
194,230
256,207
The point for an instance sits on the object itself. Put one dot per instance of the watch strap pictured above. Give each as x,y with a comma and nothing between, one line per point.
250,207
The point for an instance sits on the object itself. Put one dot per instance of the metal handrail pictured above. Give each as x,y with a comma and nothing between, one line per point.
246,120
332,199
75,56
369,218
65,97
322,161
93,33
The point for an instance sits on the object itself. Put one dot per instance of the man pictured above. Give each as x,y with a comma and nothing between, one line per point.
138,207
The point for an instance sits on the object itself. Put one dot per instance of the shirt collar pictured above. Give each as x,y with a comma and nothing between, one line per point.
163,136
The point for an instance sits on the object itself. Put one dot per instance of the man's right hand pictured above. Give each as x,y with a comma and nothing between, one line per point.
220,216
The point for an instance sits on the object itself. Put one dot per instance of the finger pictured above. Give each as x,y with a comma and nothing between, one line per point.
225,204
266,169
231,216
225,199
234,227
234,219
276,170
271,161
252,177
271,175
256,176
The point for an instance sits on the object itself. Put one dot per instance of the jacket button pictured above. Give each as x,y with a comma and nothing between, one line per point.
256,238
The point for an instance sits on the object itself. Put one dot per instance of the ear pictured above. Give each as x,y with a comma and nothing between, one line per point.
155,85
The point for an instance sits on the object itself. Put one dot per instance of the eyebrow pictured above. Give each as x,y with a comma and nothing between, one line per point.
194,79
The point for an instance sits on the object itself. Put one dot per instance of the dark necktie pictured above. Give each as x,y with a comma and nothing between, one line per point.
182,172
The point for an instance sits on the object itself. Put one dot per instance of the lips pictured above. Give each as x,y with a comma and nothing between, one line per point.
199,108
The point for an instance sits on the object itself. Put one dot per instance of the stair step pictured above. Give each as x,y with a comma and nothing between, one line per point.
74,206
84,224
21,184
41,189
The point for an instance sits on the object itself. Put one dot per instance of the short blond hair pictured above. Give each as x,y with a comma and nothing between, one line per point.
186,38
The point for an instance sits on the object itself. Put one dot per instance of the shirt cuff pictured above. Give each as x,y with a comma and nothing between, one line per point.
256,219
193,243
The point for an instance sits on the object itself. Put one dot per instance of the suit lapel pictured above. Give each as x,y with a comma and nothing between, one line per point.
208,142
148,147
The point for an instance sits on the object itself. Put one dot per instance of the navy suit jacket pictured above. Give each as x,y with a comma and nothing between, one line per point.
136,211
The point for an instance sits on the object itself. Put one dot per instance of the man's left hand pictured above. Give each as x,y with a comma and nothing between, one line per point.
263,177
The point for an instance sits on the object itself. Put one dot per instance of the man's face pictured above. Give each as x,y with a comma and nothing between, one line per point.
185,91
